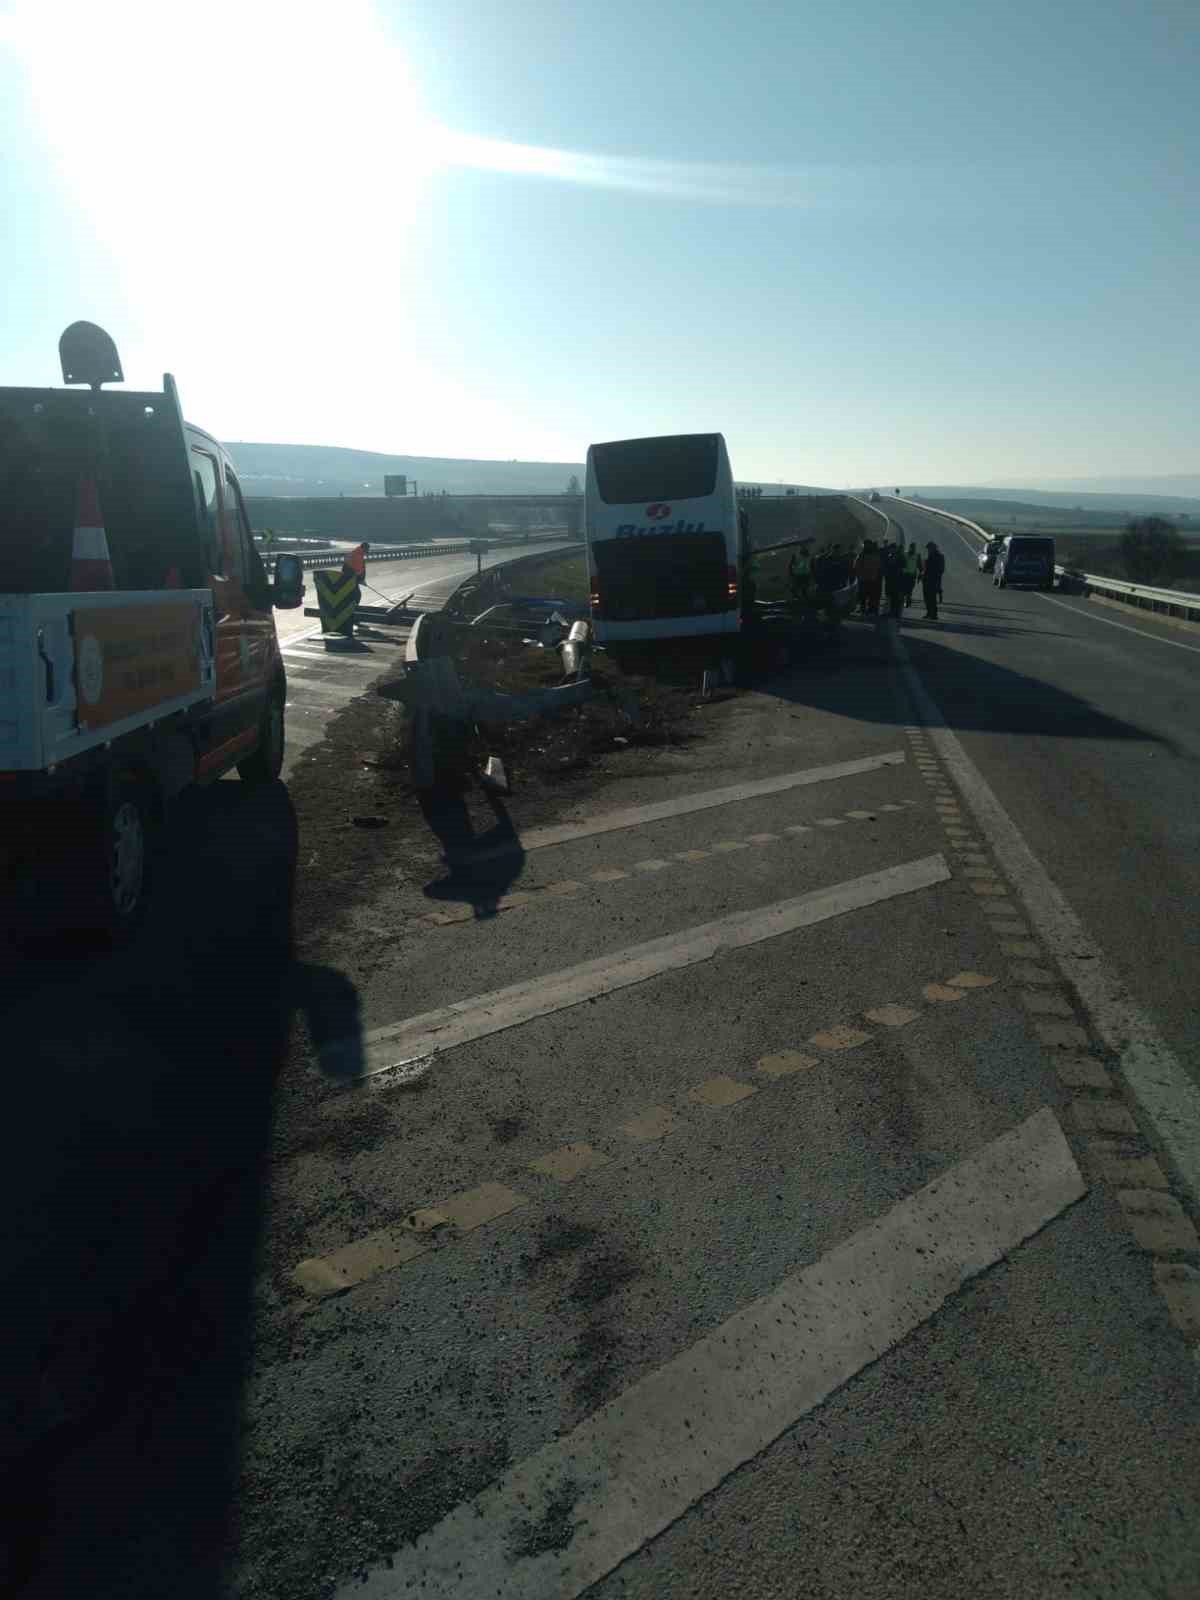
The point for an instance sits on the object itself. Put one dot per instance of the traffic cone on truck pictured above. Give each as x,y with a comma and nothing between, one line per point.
91,564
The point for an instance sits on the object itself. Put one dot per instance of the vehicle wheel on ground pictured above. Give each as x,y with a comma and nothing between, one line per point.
121,858
265,765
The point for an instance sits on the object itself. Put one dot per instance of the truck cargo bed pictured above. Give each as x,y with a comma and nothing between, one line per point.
82,670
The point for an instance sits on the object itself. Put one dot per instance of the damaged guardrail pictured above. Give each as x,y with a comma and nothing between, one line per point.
431,688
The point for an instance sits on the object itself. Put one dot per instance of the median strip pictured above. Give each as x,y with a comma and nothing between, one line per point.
685,805
637,1464
449,1026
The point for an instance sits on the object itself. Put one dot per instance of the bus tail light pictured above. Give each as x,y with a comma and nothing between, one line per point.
732,579
594,591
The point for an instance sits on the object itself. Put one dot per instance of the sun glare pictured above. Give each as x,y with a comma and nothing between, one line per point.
242,155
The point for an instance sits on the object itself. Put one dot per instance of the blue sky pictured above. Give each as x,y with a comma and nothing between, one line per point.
871,242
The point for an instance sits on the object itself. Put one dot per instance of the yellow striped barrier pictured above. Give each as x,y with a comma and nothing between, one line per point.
337,598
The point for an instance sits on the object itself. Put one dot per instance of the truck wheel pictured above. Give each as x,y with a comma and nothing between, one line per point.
265,765
122,873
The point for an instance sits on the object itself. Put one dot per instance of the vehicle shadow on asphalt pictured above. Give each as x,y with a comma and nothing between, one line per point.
973,694
140,1095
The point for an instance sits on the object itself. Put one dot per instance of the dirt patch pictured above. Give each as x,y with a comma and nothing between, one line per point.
603,1276
553,1530
346,1520
558,1238
597,1355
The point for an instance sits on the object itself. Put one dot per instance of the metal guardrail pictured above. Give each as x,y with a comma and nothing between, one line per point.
401,552
1174,602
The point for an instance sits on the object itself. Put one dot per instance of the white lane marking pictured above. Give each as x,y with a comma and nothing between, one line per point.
663,810
1124,626
1165,1092
537,997
634,1467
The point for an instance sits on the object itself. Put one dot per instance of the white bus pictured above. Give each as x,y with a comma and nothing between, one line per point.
664,538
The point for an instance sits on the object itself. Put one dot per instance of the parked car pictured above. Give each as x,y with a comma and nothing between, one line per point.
1026,559
987,556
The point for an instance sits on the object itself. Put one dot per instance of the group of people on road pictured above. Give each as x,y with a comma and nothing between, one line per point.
823,570
883,571
889,571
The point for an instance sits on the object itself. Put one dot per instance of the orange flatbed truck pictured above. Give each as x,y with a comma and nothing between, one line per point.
138,653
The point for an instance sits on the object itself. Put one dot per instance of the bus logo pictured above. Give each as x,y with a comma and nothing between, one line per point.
658,511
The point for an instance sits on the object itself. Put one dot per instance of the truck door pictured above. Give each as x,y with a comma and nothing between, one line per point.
256,620
240,676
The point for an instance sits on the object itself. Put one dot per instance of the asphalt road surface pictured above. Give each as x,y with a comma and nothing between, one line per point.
324,677
732,1185
395,579
1085,721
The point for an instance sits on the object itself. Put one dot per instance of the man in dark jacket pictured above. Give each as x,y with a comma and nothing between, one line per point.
893,577
931,579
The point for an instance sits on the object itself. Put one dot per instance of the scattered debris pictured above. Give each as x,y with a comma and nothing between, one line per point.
404,1075
494,777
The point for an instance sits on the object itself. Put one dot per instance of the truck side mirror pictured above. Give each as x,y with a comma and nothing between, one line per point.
287,591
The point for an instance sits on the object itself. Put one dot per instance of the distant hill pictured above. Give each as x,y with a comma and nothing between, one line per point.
999,512
303,471
1130,501
1171,485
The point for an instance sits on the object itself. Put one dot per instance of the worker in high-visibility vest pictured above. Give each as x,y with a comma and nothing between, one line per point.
356,561
800,573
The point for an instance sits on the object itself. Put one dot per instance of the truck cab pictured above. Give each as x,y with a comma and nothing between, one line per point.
136,620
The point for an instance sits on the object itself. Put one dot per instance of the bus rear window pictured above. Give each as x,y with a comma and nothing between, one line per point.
633,471
684,575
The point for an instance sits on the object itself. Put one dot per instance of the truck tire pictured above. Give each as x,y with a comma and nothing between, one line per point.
120,890
265,765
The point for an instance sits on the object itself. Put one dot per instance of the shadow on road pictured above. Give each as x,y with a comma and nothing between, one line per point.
484,865
973,694
140,1093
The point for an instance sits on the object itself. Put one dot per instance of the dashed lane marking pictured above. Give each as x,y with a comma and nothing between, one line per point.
892,1016
684,805
448,1026
1158,1081
639,1462
570,1162
388,1249
354,1263
447,915
840,1038
942,993
720,1091
783,1063
654,1123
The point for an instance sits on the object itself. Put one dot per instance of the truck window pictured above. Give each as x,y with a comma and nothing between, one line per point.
204,471
248,567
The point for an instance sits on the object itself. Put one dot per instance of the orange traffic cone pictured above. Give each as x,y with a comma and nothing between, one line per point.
91,564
